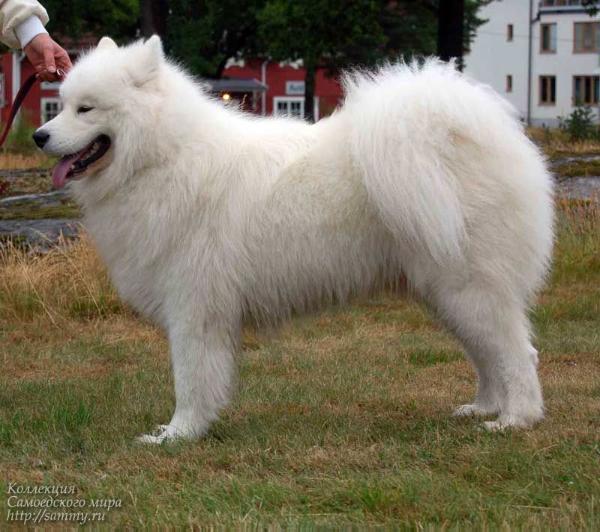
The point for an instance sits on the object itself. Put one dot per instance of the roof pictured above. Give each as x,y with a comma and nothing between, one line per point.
236,85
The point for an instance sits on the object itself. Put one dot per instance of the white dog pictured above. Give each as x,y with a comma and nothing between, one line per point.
205,215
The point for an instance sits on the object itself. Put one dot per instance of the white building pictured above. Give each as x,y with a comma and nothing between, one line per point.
542,56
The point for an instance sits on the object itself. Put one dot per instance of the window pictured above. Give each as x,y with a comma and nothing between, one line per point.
586,90
50,108
547,90
293,106
289,106
586,37
548,38
510,32
50,85
509,83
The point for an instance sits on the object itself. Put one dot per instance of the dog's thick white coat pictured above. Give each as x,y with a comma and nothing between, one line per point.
207,215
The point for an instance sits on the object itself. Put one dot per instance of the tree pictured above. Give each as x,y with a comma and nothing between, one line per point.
335,34
204,34
591,6
451,26
74,18
431,27
154,15
323,33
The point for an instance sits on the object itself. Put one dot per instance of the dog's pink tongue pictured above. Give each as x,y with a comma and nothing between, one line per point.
59,175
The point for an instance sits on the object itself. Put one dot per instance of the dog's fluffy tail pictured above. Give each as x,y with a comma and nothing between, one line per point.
408,122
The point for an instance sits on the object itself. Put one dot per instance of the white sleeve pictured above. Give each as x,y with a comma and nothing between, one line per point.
28,29
13,13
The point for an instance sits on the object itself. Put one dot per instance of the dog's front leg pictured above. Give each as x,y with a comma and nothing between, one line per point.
203,363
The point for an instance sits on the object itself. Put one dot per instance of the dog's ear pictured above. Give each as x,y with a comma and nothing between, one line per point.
149,58
154,44
106,43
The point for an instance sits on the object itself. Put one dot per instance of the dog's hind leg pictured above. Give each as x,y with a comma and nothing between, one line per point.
203,367
495,331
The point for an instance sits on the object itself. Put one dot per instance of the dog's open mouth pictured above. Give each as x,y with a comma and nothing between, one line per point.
76,164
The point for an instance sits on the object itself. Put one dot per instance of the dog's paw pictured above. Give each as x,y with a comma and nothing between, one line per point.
506,422
495,426
473,410
161,434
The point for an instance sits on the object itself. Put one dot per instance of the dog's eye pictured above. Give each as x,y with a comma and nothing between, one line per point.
84,109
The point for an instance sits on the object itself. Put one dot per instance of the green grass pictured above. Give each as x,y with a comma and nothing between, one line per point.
341,419
578,169
27,210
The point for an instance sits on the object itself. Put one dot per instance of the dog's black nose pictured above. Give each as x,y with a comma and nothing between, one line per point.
40,138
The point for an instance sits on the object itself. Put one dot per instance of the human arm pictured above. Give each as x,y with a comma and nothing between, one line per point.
22,25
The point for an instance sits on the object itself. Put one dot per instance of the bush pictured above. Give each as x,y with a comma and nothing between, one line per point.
579,125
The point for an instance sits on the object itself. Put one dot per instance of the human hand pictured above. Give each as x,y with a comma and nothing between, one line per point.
47,57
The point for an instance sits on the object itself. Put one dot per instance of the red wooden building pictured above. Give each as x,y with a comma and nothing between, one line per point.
283,88
261,87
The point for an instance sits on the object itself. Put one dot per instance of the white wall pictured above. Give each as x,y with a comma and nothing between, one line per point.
493,57
564,64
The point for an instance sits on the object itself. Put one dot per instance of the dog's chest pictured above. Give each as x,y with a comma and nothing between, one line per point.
133,261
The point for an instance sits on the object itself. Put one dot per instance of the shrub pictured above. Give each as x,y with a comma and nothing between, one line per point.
579,125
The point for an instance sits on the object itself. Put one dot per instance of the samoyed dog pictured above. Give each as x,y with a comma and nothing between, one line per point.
206,216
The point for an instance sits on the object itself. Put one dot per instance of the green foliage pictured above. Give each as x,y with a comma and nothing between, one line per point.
326,33
19,138
333,31
338,34
591,6
205,34
579,125
74,18
410,26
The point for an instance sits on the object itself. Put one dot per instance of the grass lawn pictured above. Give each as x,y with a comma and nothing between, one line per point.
341,418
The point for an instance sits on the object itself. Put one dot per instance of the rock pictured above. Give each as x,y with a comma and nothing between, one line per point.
579,188
40,235
46,199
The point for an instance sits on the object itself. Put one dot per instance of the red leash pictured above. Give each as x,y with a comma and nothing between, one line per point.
23,91
21,95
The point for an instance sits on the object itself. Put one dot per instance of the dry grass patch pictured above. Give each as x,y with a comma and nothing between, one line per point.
24,161
556,144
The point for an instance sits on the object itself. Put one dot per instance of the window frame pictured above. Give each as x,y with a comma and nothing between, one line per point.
278,99
547,81
288,100
49,100
553,45
594,92
595,25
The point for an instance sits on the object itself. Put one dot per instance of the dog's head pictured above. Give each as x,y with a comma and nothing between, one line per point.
108,122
